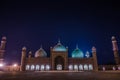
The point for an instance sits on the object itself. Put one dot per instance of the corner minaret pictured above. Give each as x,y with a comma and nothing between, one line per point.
2,49
115,50
95,58
23,57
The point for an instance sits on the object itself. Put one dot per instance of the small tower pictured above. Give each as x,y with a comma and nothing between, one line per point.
2,49
95,58
30,54
23,58
87,54
115,50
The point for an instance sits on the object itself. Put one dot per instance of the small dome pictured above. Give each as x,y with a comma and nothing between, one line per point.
40,53
93,49
24,48
113,38
59,47
77,53
4,38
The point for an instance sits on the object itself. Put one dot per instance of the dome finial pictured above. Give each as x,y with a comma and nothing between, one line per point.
41,46
76,46
59,40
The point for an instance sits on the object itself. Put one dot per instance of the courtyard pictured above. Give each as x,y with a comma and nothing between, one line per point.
61,75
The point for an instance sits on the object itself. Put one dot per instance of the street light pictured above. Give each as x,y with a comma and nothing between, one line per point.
15,65
1,65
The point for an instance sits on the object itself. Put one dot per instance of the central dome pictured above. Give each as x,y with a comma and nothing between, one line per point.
59,47
40,53
77,53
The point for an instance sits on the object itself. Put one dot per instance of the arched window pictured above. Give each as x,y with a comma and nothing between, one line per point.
27,67
47,67
70,67
32,67
90,67
76,67
85,67
37,67
103,68
114,68
42,67
118,67
80,67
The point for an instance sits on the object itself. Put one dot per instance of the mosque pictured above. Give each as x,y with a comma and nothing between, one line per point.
59,59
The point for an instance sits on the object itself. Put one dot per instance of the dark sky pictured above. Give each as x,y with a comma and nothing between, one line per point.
86,23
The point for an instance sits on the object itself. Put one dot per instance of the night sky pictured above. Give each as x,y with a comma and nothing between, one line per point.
86,23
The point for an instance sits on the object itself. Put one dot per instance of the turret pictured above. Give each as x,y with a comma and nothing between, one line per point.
115,50
30,54
2,49
23,58
3,43
87,55
95,58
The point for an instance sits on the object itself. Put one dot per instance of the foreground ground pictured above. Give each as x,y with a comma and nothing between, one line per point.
109,75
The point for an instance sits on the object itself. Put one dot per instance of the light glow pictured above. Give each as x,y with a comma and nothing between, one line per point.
80,67
27,67
1,65
32,67
70,67
85,67
42,67
15,65
47,67
76,67
59,67
37,67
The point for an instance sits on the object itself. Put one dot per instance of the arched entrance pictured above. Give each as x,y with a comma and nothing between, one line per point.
59,63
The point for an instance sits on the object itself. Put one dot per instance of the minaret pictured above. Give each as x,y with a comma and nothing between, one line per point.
30,54
115,50
95,58
23,58
2,49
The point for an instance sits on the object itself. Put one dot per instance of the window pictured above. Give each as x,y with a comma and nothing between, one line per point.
32,67
37,67
90,67
114,68
75,67
42,67
70,67
85,67
47,67
103,68
59,67
27,67
80,67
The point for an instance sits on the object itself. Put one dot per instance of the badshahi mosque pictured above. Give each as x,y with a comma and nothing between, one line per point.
59,59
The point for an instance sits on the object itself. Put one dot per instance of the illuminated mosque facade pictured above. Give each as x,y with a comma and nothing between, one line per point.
59,59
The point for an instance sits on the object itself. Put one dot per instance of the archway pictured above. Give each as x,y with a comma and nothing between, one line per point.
59,63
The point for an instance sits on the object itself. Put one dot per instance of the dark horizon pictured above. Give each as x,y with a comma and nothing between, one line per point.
86,23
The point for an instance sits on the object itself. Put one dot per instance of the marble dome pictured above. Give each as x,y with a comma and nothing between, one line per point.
40,53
